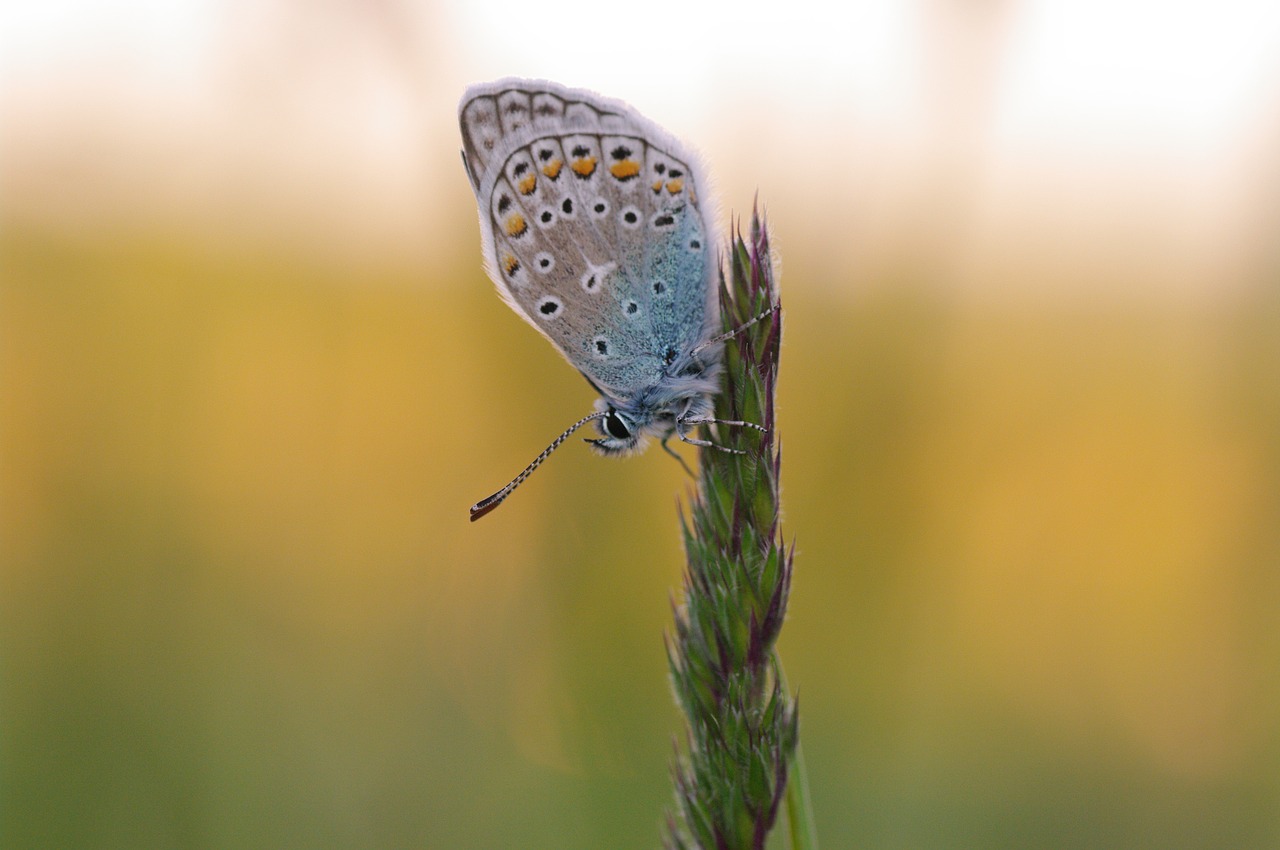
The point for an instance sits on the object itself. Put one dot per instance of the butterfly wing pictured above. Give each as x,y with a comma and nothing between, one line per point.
592,227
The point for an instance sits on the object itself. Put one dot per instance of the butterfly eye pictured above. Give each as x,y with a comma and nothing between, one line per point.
616,427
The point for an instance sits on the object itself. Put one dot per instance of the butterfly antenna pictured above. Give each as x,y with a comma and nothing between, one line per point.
483,506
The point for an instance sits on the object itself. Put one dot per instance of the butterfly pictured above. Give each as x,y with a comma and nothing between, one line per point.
593,230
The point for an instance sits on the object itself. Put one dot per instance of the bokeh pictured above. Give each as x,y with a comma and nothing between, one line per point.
252,376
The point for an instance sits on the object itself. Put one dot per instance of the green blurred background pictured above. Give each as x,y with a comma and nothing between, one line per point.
252,376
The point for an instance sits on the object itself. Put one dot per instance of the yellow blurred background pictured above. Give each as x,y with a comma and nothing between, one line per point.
252,376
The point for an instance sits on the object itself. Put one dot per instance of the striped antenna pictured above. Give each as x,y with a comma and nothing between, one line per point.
483,506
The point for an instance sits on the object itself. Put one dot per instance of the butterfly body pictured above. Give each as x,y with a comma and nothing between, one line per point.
593,230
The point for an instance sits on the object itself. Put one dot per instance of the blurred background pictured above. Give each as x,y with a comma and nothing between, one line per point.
252,376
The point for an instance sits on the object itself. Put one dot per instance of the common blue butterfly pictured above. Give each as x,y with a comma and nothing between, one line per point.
593,230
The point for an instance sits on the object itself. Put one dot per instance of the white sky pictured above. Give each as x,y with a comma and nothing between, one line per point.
1178,90
1145,66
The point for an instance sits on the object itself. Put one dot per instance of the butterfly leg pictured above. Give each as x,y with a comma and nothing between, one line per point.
735,422
706,444
739,329
694,414
676,455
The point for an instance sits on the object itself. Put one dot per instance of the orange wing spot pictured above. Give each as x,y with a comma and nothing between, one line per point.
584,167
527,185
552,168
657,187
510,264
674,186
625,170
516,225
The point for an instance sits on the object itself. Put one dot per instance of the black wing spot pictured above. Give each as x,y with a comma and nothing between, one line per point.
630,217
665,220
567,206
546,216
659,287
632,307
602,346
695,244
549,307
621,152
675,173
504,204
580,151
520,168
546,153
660,168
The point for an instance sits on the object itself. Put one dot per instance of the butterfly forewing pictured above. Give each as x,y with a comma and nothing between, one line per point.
592,227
